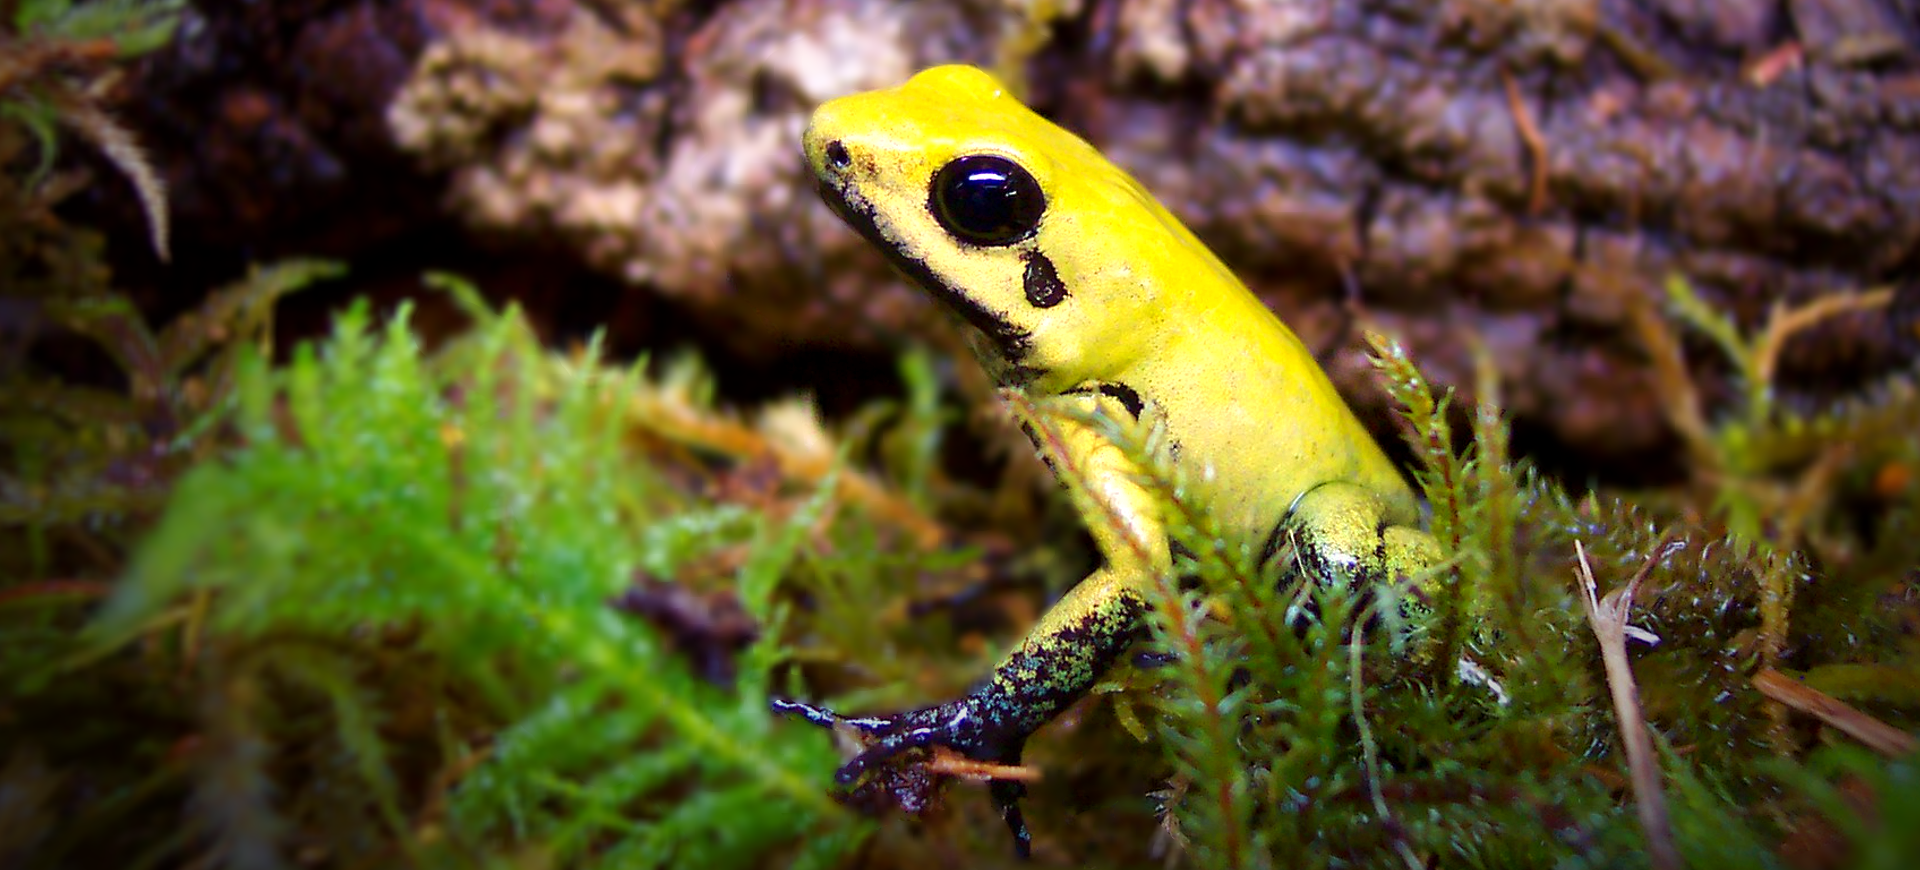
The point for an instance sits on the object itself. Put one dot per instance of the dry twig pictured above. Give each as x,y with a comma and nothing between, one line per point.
947,762
1877,735
1608,618
1535,142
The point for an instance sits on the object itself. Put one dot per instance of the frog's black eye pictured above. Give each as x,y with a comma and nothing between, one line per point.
987,200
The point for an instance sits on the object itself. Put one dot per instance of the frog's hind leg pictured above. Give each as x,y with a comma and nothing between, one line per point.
1342,536
1338,535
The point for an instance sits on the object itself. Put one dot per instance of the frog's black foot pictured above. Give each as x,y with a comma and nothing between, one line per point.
956,725
891,735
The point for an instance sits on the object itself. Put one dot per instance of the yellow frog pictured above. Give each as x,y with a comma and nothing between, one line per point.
1074,282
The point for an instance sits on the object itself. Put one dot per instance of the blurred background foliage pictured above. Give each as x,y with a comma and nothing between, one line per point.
310,562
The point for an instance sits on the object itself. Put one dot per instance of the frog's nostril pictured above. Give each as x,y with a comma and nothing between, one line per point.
837,155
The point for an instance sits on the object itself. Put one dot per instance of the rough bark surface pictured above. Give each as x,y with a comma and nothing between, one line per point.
1520,174
1526,172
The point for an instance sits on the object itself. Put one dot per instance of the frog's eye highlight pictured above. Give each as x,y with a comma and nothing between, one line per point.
987,200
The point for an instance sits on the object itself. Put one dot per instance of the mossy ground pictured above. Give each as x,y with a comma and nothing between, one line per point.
495,603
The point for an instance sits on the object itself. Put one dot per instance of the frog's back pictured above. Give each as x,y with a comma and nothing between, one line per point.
1250,411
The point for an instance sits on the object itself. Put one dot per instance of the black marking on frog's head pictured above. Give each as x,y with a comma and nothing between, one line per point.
1042,281
1011,343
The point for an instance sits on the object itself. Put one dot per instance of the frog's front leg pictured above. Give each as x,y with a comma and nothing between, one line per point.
1075,641
1054,665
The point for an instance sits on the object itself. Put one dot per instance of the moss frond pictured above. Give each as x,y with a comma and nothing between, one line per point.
56,50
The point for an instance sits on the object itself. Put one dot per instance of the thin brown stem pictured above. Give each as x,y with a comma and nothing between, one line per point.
1608,618
1877,735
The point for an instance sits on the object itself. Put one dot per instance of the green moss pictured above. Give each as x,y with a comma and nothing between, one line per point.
383,622
373,618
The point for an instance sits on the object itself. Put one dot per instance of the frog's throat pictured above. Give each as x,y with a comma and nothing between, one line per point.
1010,344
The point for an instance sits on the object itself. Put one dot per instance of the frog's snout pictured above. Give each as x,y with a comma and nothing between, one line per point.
826,150
836,144
836,157
831,163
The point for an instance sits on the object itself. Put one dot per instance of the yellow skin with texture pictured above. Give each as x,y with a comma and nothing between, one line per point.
1111,302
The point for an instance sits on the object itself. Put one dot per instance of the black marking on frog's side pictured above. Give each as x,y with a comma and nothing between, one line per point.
1011,342
1033,436
1042,281
1125,395
1313,560
1128,397
1312,563
1276,538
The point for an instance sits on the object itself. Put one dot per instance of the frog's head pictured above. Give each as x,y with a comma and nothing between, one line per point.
1017,226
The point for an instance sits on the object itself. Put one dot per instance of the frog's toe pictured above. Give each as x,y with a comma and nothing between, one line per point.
891,735
820,716
826,718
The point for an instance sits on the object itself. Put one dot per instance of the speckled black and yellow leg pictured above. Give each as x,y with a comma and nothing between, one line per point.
1054,665
1342,536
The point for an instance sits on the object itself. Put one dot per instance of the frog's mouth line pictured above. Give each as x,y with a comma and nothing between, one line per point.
1011,342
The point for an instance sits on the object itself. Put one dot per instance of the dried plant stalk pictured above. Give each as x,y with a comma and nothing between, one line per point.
1877,735
1608,618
